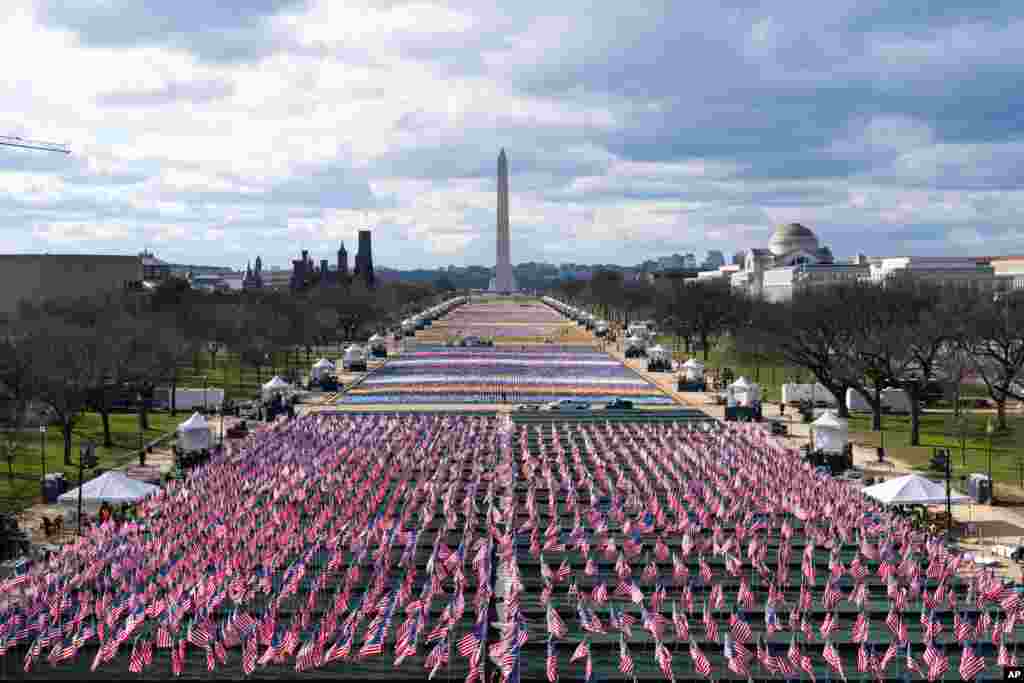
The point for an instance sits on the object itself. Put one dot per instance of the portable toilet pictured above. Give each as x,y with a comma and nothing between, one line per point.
744,392
979,487
694,370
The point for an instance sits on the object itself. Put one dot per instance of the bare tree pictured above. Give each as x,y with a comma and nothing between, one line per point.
809,332
998,349
68,361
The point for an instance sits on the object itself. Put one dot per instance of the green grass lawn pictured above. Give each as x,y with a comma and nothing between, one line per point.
242,382
937,431
19,493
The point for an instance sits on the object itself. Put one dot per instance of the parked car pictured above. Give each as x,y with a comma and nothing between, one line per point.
528,407
619,404
568,404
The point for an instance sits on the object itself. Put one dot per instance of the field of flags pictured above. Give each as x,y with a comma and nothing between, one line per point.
436,374
498,319
479,548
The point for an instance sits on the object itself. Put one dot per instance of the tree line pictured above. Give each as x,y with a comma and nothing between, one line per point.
70,356
866,336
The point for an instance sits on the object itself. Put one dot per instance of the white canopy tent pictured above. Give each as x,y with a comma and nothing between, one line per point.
112,487
694,370
275,386
913,489
744,392
377,341
321,368
194,433
831,433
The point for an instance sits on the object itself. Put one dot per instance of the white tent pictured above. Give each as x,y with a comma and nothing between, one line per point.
112,487
831,433
321,368
275,386
913,489
194,433
744,392
377,341
694,370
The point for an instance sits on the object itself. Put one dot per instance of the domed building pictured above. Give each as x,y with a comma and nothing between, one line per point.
792,238
792,247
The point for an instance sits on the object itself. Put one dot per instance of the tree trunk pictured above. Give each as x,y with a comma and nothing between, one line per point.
876,410
213,360
704,344
174,392
142,415
66,433
1001,414
195,362
105,415
915,417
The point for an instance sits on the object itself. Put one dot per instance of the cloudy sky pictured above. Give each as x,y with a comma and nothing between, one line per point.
212,132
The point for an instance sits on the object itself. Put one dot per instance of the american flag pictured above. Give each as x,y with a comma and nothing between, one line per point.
831,656
437,658
625,659
970,663
701,664
551,665
740,628
556,626
798,659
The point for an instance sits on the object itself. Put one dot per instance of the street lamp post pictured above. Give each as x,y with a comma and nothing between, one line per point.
142,451
86,460
206,380
989,429
42,449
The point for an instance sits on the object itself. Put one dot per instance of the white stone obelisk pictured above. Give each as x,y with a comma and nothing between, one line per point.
504,281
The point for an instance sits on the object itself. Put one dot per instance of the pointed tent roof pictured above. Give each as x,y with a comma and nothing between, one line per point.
829,420
693,363
376,338
276,383
324,363
913,489
197,421
111,487
742,383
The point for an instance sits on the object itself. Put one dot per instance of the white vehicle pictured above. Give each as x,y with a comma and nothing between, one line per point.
793,394
568,404
639,330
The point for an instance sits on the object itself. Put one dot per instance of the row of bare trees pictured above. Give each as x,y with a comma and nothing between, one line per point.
70,356
865,336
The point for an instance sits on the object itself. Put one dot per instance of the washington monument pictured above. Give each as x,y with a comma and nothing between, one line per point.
503,281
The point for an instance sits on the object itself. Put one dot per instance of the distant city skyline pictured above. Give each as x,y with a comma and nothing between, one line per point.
870,123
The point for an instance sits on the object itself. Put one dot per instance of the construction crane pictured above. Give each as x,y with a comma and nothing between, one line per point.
14,141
